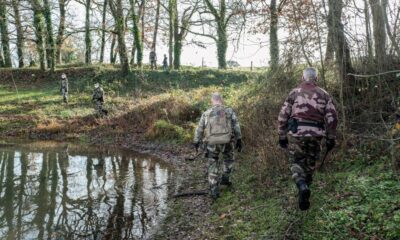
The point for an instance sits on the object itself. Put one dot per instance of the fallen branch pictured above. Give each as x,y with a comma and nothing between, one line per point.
188,194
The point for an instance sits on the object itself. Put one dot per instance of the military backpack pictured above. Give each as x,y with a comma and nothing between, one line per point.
218,128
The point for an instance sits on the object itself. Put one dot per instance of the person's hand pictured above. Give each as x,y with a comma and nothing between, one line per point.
283,143
196,146
330,144
239,145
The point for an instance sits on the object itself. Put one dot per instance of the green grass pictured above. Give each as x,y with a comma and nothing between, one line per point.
348,203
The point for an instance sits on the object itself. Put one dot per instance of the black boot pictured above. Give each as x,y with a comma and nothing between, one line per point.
214,192
304,195
225,181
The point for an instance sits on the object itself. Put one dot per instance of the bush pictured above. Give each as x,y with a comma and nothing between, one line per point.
168,132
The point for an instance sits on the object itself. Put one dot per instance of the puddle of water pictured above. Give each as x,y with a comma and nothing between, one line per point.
59,191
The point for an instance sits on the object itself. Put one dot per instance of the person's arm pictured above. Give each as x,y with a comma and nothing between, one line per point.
198,135
284,115
236,126
331,119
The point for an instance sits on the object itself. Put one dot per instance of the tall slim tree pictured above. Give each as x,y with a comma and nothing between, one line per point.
38,22
171,19
154,43
88,39
61,30
181,30
275,9
221,19
136,34
118,13
51,54
5,40
103,31
222,36
336,29
379,32
20,33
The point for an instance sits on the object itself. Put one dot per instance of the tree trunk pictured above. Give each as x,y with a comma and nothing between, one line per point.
379,32
120,27
341,47
153,46
5,40
103,32
50,39
392,36
177,38
112,48
273,36
20,33
368,31
61,29
137,35
88,41
38,22
222,46
171,11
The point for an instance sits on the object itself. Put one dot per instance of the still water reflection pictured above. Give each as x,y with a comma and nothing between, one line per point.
59,191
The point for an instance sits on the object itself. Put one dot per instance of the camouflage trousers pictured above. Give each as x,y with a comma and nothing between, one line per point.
214,162
99,108
153,64
64,93
303,154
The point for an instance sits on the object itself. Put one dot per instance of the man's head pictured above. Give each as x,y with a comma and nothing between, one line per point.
216,99
63,76
165,55
96,85
310,74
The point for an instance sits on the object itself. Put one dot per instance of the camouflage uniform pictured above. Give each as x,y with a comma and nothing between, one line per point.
98,98
165,64
153,60
315,112
64,89
213,151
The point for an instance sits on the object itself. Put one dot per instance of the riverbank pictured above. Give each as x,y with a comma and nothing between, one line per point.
356,196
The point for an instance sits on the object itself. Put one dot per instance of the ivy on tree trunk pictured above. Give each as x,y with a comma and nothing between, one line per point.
5,40
136,34
20,33
50,39
38,22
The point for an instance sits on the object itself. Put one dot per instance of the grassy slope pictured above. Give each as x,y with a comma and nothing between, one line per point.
357,198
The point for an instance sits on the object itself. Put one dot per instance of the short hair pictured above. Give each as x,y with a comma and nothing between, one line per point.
310,74
216,96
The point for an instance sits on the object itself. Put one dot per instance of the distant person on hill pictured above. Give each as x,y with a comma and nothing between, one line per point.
165,63
98,98
219,131
307,115
153,60
64,87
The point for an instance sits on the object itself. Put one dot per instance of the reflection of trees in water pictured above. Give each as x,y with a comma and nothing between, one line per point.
108,198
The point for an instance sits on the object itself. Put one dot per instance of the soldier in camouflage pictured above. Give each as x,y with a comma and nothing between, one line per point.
153,60
98,98
64,87
307,115
218,129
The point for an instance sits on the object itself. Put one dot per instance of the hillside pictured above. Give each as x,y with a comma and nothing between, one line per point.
356,195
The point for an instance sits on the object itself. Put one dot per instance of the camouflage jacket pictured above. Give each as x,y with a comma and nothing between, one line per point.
64,84
98,94
309,103
199,133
